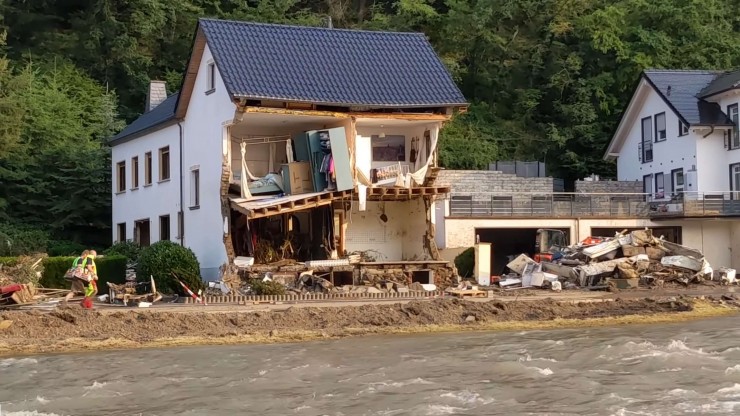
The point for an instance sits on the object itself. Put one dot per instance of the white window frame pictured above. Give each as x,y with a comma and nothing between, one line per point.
659,185
683,129
195,187
210,77
733,113
121,177
661,134
678,189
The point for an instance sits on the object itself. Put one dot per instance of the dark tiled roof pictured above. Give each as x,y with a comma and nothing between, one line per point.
160,114
329,66
683,96
724,82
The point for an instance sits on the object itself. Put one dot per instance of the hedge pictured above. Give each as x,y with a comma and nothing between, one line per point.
110,269
8,261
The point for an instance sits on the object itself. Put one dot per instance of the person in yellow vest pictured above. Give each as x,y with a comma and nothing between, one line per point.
92,271
79,280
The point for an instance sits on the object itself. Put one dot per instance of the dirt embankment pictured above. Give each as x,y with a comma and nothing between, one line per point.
68,329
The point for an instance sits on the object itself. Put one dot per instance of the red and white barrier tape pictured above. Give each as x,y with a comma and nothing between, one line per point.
190,292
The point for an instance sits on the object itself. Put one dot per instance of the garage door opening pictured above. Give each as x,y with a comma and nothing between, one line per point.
671,234
507,243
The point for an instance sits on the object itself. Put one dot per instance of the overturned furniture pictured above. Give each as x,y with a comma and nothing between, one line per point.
128,292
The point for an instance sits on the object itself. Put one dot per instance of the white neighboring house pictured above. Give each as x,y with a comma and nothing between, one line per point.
234,158
679,136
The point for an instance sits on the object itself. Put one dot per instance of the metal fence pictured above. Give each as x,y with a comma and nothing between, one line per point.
556,204
697,204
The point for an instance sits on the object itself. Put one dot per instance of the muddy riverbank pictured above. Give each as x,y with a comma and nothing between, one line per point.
75,329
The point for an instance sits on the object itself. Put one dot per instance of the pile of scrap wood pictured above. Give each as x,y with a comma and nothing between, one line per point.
18,282
624,261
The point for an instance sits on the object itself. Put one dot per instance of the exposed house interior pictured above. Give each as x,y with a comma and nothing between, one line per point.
294,179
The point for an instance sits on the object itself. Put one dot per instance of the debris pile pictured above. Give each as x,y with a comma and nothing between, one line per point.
627,260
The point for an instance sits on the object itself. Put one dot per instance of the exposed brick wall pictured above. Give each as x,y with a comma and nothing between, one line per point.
486,182
624,187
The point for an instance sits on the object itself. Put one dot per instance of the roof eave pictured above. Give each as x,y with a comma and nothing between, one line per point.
715,93
116,140
621,125
371,105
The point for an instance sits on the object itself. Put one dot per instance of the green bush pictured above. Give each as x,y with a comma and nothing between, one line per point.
465,262
9,261
19,239
267,288
128,249
110,269
165,258
58,248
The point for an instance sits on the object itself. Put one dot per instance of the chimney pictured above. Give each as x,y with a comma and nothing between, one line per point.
155,95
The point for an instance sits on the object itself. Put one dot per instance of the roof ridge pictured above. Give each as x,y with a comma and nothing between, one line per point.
688,71
319,28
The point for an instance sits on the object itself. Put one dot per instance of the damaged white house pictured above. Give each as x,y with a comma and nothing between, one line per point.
289,142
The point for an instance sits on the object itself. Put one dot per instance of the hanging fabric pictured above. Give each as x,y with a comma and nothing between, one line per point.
289,150
271,161
421,173
249,174
244,181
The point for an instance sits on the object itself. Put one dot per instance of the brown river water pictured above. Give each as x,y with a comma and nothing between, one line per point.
688,368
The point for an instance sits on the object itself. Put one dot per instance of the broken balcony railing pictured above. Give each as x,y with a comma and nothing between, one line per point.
696,204
555,204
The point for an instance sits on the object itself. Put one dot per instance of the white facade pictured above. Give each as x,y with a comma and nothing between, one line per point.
210,112
147,201
205,126
702,154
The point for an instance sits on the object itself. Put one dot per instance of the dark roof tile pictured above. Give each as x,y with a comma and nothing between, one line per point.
683,95
329,66
724,82
160,114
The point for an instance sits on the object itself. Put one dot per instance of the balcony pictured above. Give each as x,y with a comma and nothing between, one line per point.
697,205
551,205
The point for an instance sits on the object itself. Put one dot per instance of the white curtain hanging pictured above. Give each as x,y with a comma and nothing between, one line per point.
271,162
244,182
289,150
421,173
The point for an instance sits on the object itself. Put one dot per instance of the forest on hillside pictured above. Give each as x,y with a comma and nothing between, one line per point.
546,79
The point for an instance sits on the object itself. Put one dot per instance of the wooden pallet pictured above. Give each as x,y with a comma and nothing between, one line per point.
468,293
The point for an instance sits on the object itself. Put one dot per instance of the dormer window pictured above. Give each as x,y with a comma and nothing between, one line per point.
211,77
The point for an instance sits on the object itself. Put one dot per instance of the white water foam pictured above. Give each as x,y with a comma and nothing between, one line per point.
670,370
441,409
647,349
373,387
529,358
732,370
467,397
542,371
96,386
42,400
262,372
8,362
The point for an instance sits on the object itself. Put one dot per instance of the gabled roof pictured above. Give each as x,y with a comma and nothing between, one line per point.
722,83
161,114
682,89
329,66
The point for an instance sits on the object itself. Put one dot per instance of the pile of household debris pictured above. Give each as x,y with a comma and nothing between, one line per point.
336,276
19,284
627,260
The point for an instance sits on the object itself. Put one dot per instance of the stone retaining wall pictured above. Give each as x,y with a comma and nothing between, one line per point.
485,181
609,187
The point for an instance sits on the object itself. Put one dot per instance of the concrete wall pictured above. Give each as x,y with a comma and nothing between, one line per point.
609,186
486,181
206,141
401,238
147,201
